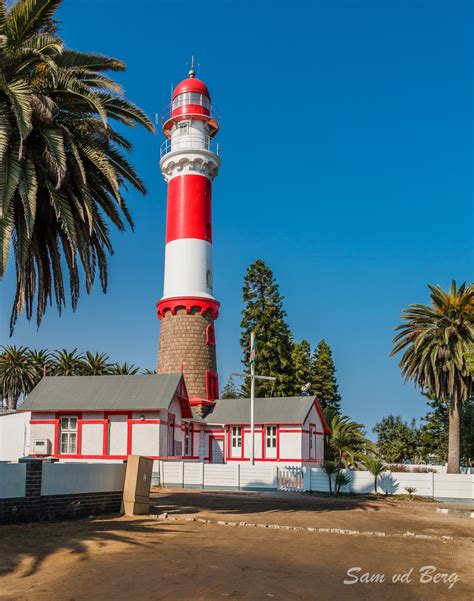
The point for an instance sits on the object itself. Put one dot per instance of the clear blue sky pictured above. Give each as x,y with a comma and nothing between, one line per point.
346,145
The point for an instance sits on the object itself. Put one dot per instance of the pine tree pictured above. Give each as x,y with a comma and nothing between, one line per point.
323,378
264,315
231,390
301,356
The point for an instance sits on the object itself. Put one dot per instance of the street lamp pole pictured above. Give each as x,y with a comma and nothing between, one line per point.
252,377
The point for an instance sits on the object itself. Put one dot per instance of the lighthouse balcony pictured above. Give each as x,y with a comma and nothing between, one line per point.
196,110
189,143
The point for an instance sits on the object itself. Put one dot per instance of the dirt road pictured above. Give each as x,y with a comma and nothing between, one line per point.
143,558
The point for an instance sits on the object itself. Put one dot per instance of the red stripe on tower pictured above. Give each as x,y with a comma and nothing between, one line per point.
189,213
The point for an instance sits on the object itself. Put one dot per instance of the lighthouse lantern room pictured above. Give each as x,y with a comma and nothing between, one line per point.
189,163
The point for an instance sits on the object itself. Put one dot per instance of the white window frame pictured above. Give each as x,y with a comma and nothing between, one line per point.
312,441
236,437
68,435
270,437
188,441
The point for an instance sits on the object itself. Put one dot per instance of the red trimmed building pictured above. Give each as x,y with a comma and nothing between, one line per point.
107,418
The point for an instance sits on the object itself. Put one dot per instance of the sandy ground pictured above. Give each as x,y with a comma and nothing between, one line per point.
144,558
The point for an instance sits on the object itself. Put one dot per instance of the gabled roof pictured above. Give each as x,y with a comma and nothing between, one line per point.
282,410
108,393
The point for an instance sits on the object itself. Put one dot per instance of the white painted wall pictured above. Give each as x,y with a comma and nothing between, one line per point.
453,486
232,476
146,439
74,478
291,444
118,435
12,480
14,435
92,439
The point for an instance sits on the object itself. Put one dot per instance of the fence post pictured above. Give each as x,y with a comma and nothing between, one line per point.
202,475
34,476
182,474
306,478
432,484
162,474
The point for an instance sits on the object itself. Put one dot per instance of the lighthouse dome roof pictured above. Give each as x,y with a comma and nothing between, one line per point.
191,84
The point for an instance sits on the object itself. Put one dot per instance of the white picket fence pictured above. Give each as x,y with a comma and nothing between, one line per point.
291,478
182,474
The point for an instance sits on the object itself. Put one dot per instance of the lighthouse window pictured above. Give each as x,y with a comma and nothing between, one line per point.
190,98
183,127
209,278
210,335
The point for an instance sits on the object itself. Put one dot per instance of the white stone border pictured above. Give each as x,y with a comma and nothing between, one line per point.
408,534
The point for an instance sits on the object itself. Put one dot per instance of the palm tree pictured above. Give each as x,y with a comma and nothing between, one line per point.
376,467
97,364
148,372
436,341
62,165
17,374
345,446
124,369
42,361
67,363
329,468
346,443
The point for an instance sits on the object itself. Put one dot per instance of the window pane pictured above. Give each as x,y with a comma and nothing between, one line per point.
73,423
64,423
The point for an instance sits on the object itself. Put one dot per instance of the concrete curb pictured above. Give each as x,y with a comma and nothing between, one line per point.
172,518
459,512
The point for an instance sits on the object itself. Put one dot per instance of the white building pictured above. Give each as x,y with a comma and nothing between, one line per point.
107,418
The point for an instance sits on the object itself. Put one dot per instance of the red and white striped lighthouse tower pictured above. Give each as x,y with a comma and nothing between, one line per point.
189,163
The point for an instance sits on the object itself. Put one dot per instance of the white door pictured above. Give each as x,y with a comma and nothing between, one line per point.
217,450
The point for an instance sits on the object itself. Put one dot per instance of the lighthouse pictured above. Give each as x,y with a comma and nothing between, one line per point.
189,162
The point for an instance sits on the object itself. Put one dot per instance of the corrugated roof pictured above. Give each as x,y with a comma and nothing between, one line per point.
97,393
283,410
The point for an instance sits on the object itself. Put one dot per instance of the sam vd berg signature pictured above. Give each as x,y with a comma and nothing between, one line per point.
425,575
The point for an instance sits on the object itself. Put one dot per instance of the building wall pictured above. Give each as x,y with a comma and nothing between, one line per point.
112,435
14,435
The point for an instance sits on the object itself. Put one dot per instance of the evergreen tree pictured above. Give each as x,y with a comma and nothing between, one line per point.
231,390
301,356
264,315
323,378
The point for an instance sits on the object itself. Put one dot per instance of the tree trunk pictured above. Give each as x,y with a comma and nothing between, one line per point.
454,443
11,402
